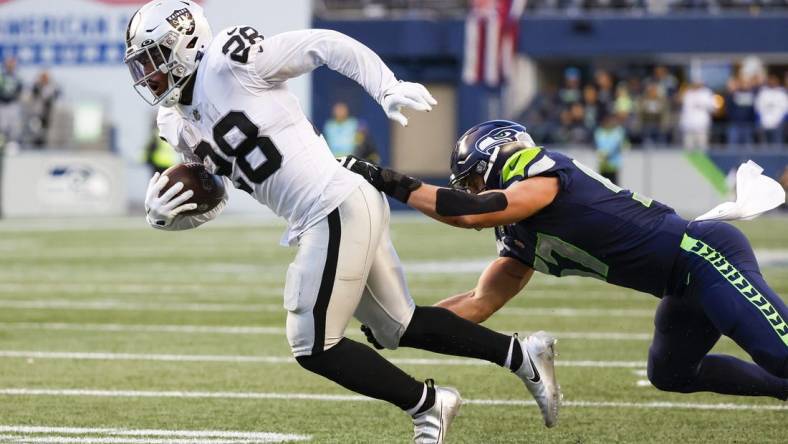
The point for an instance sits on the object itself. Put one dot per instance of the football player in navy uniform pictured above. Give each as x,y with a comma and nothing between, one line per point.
555,215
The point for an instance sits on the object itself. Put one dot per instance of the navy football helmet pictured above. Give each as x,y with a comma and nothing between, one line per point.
484,149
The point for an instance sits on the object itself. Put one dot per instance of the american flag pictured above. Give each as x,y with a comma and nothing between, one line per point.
491,40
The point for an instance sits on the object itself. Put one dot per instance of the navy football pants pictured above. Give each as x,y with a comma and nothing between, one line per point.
719,290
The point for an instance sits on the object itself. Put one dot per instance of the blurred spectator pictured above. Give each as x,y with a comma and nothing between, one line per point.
573,130
610,139
654,115
42,98
740,106
592,107
570,92
341,131
697,105
10,108
667,82
604,84
624,107
543,114
771,104
365,145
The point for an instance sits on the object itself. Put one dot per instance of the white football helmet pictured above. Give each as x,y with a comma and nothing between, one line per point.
165,37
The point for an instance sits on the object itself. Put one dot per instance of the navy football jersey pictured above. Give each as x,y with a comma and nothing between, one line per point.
592,228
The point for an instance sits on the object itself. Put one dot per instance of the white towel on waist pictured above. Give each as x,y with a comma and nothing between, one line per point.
755,195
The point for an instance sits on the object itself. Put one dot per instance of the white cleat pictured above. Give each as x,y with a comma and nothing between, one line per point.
539,354
430,426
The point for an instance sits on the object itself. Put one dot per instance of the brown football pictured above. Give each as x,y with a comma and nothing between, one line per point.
208,188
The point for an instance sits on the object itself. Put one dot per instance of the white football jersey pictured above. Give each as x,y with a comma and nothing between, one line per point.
244,124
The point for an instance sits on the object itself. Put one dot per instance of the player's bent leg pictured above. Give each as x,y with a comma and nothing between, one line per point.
323,289
389,311
678,360
766,339
728,284
682,338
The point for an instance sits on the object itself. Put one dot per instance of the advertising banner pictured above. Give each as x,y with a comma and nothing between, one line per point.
40,184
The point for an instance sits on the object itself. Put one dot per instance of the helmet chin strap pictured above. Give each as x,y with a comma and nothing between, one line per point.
490,164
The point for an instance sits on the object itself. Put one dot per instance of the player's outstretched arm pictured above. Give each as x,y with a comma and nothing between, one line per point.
487,209
294,53
458,208
504,278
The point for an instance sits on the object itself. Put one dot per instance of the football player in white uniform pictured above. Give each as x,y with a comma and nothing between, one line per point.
224,103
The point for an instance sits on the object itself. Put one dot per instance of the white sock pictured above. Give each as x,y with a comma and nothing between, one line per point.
415,410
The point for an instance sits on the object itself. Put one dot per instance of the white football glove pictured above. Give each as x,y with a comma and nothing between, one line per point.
408,95
161,210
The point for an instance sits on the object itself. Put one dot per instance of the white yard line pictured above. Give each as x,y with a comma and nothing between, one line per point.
253,330
359,398
99,356
139,432
56,439
140,289
65,304
32,434
577,312
266,290
766,257
140,328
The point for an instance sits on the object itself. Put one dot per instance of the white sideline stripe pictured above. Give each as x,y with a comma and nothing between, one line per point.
359,398
251,330
217,307
139,432
276,359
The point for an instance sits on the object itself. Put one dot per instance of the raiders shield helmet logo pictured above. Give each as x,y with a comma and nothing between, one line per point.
182,21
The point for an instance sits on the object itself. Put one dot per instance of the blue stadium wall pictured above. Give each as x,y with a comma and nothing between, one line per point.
429,51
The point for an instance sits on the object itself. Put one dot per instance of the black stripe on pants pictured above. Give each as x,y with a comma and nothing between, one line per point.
327,282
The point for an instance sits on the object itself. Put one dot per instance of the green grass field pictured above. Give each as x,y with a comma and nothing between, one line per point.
162,333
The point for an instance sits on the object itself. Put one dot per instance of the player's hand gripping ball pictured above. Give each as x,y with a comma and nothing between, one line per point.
208,189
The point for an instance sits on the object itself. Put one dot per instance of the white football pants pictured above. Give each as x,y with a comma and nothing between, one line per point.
346,265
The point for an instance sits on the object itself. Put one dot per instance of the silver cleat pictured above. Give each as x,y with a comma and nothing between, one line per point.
430,426
539,354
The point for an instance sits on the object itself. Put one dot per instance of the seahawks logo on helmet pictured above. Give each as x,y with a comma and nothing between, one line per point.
497,137
182,21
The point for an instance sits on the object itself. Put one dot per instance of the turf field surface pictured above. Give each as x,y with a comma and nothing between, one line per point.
118,333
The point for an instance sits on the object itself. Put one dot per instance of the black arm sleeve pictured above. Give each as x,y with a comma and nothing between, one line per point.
459,203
